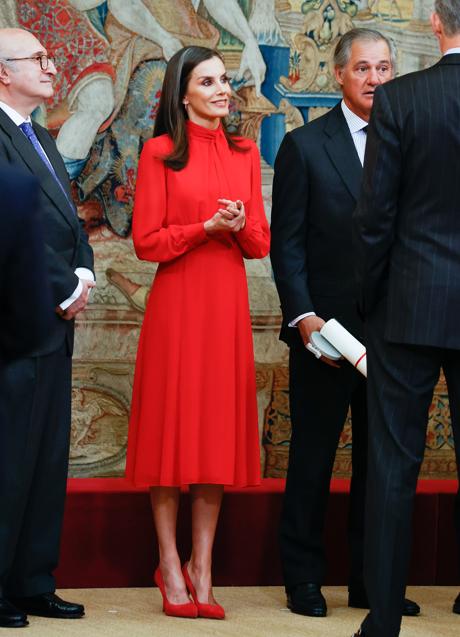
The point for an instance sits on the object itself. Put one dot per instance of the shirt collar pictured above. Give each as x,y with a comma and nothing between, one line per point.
14,115
355,123
455,49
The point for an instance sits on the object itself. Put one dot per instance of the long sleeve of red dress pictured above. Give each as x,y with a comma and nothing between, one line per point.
254,238
153,238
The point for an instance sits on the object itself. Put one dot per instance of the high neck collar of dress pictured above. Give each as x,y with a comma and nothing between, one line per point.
205,133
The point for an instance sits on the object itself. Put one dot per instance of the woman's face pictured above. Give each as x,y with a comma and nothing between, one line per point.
208,91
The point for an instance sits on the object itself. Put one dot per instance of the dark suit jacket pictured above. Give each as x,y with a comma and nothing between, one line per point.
407,225
316,184
26,311
66,244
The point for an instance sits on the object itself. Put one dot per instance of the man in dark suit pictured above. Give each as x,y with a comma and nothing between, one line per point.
317,181
26,312
36,389
407,231
22,268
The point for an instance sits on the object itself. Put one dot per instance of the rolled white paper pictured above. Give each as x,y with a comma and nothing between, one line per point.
346,344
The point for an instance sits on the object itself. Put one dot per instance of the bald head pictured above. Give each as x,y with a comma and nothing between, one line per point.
24,85
13,42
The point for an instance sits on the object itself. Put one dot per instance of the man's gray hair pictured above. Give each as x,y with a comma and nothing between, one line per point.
4,62
342,51
449,14
3,58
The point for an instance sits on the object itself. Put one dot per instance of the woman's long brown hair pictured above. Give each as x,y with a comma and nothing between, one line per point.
171,116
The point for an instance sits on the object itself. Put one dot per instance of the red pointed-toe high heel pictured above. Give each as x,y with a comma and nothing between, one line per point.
209,611
174,610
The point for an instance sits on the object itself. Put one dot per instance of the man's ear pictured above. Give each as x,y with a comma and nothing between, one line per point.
338,72
436,25
4,74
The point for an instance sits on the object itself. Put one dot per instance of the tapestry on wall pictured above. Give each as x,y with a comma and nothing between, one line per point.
111,57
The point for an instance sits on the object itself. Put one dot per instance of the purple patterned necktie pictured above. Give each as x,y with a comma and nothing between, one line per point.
29,132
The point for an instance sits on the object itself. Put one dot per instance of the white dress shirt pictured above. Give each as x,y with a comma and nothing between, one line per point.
359,136
81,273
356,125
455,49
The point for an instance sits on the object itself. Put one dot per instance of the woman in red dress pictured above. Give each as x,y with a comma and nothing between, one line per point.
198,211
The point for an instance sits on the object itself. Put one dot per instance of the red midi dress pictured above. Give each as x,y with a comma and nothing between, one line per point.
194,410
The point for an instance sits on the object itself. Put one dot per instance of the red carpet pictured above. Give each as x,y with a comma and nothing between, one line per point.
108,537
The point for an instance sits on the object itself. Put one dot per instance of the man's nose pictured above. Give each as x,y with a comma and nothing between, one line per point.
51,67
373,77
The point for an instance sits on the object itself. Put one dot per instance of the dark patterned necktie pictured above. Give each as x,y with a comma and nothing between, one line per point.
29,132
364,129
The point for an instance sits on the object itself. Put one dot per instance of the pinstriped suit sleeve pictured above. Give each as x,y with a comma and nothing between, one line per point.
375,216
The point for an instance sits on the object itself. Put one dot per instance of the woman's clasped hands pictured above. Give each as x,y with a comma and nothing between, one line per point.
229,217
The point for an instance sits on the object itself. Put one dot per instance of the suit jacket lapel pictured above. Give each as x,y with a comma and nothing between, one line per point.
342,151
38,168
59,168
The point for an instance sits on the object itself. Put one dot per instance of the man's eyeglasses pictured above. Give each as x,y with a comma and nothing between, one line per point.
43,59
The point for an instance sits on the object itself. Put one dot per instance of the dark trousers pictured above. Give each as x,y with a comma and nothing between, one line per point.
34,448
320,396
401,381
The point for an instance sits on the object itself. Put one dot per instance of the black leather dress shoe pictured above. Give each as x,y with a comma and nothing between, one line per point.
49,605
10,616
410,608
307,599
357,598
456,607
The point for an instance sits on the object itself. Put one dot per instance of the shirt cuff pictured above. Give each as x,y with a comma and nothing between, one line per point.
85,273
75,294
82,273
299,318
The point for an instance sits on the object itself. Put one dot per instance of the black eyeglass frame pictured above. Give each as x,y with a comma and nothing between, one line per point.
43,59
